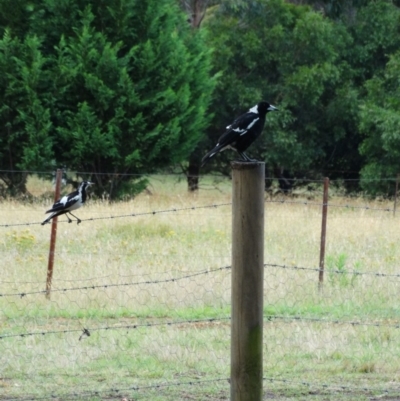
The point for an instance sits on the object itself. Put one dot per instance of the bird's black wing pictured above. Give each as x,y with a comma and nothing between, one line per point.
65,202
238,128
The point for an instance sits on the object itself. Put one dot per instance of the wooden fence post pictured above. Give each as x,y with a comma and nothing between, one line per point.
323,233
53,236
247,281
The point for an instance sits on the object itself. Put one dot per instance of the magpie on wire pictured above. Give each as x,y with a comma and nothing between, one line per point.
69,202
242,132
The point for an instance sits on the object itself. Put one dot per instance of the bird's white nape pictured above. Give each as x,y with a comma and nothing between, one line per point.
254,109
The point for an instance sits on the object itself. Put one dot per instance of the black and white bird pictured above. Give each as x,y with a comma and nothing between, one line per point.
242,132
69,202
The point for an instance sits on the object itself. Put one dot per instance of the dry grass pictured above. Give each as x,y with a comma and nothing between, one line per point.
136,250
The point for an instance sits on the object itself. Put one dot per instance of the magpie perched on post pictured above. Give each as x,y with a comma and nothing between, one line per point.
242,132
69,202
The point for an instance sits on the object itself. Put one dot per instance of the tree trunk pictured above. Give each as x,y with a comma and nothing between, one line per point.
15,183
196,10
193,173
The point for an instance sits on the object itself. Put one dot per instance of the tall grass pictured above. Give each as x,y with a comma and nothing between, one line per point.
138,266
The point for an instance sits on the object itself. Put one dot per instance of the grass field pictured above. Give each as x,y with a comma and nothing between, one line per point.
125,278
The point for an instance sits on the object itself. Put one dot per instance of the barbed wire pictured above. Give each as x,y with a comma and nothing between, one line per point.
118,391
91,173
215,205
328,385
106,286
190,275
335,271
283,318
124,276
308,203
84,253
154,212
87,331
219,175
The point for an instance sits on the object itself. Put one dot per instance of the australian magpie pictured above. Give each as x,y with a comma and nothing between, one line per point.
242,132
69,202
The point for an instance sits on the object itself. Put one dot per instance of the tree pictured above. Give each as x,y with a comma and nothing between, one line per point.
380,124
290,56
335,8
128,86
196,11
376,35
25,140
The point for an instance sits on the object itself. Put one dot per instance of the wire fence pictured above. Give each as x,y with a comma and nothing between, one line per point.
140,300
175,210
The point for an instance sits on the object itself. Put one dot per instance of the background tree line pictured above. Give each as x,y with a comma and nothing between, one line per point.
130,87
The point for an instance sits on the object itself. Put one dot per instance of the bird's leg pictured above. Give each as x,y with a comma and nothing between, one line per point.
246,158
69,220
77,219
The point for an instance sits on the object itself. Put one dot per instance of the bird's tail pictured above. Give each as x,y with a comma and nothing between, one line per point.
46,221
208,156
49,218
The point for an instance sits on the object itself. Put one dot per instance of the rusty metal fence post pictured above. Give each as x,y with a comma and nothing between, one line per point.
247,281
53,236
323,233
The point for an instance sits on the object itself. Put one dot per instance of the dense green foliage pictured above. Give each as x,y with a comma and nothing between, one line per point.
289,56
380,123
315,67
125,87
119,87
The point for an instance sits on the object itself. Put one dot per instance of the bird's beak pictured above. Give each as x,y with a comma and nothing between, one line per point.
272,108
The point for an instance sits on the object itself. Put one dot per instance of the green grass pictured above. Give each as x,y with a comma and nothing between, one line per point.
139,265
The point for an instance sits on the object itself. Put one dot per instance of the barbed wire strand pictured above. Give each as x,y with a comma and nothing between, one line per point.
308,203
85,394
87,331
154,212
136,388
283,318
329,385
123,276
191,275
106,286
183,174
267,319
335,271
173,210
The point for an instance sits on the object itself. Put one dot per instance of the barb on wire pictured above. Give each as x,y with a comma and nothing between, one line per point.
105,286
335,271
85,332
308,203
154,212
109,328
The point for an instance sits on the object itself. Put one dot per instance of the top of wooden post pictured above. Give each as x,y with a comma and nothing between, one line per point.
242,165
